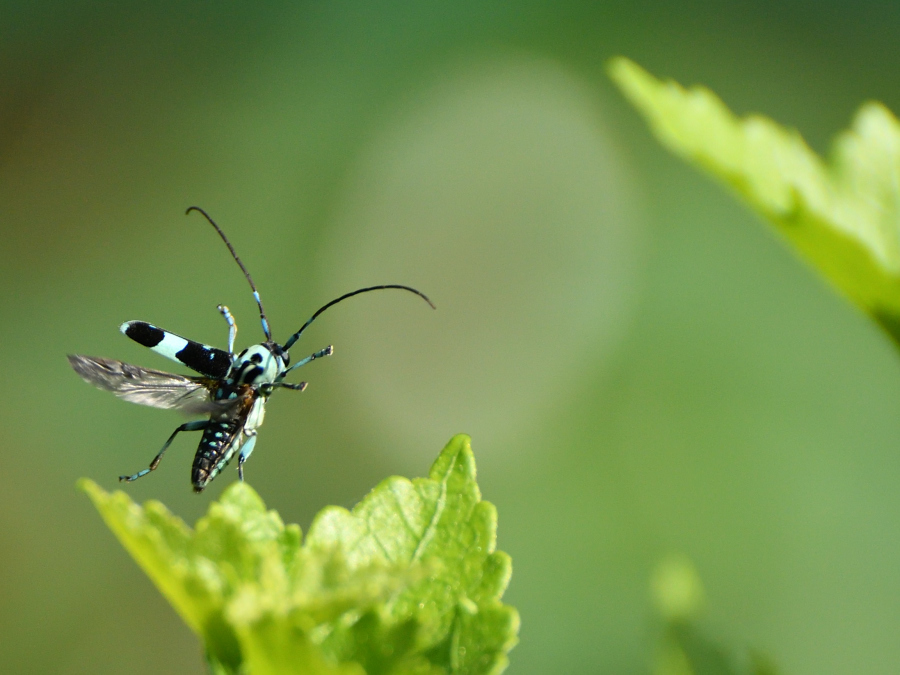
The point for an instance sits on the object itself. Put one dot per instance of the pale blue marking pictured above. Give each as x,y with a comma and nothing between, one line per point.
232,326
247,448
171,344
265,324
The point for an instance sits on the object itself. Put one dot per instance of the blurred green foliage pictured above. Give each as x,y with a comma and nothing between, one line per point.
684,648
641,366
409,582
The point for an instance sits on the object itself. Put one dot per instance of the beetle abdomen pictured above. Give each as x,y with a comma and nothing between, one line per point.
221,440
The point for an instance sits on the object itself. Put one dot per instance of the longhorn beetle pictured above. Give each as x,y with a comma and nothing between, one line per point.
231,391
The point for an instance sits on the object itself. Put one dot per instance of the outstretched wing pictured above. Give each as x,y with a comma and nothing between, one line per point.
154,388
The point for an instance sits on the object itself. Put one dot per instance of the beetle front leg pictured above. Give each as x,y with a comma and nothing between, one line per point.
328,351
232,326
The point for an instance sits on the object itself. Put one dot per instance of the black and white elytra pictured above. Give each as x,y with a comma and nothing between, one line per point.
231,391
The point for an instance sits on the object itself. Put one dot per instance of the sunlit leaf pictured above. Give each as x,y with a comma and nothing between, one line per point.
440,522
408,582
843,216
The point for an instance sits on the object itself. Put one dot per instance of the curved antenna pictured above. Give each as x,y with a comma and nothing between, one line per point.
291,340
262,312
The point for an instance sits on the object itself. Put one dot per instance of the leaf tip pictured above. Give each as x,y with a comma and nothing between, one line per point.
94,492
459,448
103,499
629,76
620,66
86,485
240,495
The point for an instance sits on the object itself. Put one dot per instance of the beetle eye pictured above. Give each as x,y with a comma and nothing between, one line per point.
280,352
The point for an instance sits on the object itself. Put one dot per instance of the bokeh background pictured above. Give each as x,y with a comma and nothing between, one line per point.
643,367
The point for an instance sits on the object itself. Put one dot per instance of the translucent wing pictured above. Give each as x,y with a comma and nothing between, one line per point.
154,388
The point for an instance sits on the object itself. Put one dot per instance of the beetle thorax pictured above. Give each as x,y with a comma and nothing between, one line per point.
256,365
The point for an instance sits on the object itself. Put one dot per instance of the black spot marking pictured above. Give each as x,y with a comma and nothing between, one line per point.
256,358
206,360
251,374
144,333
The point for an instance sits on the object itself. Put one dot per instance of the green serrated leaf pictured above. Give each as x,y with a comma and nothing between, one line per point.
441,522
407,583
381,646
842,216
273,646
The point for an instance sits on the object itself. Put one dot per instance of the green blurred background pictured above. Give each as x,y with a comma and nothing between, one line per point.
644,369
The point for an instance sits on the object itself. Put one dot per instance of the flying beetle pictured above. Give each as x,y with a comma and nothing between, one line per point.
231,390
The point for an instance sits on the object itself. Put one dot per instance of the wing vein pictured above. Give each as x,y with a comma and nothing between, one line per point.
154,388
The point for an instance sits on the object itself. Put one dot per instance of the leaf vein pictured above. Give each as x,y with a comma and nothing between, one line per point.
439,506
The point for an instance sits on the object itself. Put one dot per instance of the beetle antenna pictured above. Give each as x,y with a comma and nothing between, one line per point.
262,312
291,340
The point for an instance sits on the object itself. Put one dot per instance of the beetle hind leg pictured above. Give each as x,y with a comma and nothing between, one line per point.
187,426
